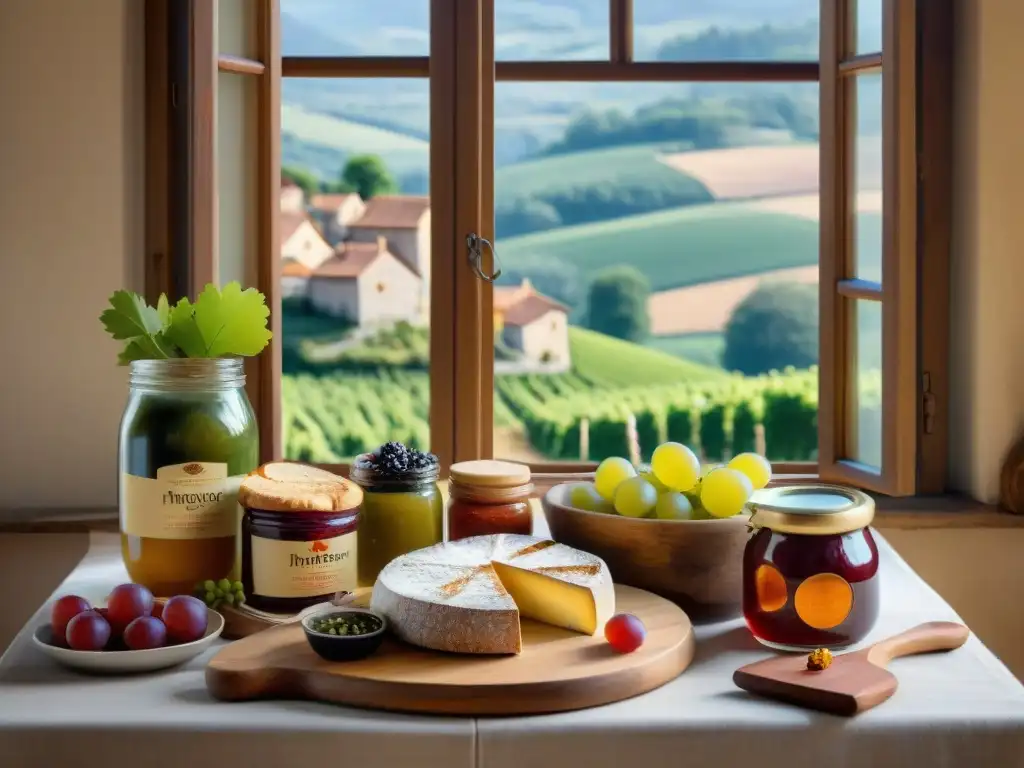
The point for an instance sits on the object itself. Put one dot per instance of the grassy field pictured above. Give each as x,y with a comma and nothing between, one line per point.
682,246
614,362
635,165
401,152
702,348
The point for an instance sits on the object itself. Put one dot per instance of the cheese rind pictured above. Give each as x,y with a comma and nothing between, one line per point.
466,596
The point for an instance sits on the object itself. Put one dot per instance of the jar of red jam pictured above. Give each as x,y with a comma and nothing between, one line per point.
488,497
810,568
298,536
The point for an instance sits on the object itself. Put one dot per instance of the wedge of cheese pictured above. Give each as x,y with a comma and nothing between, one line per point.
467,596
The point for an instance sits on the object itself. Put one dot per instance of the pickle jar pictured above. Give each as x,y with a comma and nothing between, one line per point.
299,529
402,511
810,568
188,436
486,497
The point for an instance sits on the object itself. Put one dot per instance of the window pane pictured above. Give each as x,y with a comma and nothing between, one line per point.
655,237
237,206
236,27
865,415
355,244
355,28
768,30
867,235
550,30
868,24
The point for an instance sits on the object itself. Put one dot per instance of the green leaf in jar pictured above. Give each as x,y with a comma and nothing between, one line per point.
153,347
183,331
222,322
163,310
129,316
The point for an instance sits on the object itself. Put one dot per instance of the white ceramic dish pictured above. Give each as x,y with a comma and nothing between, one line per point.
126,662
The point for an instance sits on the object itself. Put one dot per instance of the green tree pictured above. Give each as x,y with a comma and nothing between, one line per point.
308,181
617,303
774,326
369,176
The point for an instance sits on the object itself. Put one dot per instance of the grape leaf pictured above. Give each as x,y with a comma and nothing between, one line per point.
154,347
129,316
182,330
221,323
163,310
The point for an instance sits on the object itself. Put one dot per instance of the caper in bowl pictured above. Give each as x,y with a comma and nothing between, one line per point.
344,634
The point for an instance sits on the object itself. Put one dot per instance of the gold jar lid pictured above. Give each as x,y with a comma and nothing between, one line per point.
489,481
488,473
814,509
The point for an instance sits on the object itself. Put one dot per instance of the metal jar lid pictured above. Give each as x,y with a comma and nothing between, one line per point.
814,509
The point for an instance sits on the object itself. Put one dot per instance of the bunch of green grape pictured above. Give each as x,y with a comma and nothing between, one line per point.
225,591
674,486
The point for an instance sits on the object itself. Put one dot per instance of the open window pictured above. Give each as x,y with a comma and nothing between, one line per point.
596,229
870,404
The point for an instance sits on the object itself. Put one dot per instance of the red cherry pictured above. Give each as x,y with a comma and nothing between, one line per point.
62,612
88,631
625,632
144,633
126,603
185,617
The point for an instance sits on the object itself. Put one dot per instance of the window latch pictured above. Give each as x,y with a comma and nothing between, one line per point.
476,245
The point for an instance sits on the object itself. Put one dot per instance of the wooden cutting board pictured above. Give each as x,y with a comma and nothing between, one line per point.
854,681
557,671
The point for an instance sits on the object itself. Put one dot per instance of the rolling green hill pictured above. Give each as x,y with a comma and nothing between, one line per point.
402,153
682,246
703,348
635,164
614,362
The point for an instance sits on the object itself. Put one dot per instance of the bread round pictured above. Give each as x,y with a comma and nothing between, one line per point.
282,486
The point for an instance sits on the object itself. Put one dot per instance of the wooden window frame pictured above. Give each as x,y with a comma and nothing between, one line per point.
462,201
840,290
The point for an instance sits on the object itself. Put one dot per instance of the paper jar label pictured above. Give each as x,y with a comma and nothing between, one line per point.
303,568
195,500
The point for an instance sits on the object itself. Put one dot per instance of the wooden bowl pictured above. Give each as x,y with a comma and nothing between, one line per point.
697,564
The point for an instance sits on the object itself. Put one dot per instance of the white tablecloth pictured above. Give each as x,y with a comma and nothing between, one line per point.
962,708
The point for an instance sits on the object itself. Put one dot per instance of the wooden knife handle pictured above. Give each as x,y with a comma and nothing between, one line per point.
924,638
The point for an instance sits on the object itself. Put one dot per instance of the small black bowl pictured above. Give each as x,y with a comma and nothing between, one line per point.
344,647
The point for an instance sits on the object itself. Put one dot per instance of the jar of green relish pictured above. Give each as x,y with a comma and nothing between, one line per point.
188,437
402,507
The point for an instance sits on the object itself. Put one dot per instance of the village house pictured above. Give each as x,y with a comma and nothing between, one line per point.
335,213
405,221
532,323
293,199
301,241
365,283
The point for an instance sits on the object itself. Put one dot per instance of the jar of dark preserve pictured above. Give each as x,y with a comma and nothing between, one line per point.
810,568
298,536
488,497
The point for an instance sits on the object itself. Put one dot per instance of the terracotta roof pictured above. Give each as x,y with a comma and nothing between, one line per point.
330,202
289,224
507,295
393,212
349,261
286,183
294,268
531,308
